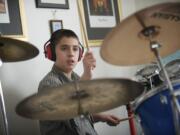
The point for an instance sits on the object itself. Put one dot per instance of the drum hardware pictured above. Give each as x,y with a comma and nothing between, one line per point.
174,102
4,125
163,99
138,125
177,95
98,95
131,121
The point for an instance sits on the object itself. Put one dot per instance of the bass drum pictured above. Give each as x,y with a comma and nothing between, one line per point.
155,112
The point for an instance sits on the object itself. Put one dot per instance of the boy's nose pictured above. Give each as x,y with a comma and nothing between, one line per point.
71,52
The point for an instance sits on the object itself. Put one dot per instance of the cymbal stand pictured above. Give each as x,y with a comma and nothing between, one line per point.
131,121
174,102
3,109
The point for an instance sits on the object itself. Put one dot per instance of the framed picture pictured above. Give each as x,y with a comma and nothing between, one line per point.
62,4
2,6
12,22
97,18
55,25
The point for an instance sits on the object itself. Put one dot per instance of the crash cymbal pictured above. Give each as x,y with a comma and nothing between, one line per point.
93,96
12,50
129,43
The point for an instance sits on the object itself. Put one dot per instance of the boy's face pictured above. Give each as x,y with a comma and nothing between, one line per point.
67,53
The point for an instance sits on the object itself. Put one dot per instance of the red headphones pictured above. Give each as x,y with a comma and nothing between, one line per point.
49,51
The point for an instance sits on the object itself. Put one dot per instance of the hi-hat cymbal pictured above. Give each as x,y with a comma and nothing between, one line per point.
129,44
12,50
93,96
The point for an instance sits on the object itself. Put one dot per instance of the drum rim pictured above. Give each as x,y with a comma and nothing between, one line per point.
150,93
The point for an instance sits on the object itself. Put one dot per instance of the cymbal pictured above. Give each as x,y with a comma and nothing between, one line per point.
129,43
12,50
65,102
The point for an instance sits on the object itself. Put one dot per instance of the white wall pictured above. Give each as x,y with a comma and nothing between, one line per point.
20,79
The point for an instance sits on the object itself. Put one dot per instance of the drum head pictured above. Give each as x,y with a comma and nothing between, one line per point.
173,70
148,71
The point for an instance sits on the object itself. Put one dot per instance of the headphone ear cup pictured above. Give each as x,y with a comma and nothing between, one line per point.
81,51
47,51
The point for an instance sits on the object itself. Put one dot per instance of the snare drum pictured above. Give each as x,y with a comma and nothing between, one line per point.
155,111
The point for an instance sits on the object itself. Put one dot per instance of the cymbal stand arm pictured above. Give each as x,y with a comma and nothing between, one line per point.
174,102
3,109
151,82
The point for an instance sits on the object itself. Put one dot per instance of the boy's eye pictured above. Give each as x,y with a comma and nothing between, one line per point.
76,48
63,48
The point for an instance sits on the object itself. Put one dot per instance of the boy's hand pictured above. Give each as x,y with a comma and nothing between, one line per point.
109,119
89,63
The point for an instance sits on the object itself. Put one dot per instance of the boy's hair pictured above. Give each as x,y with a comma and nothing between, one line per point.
49,47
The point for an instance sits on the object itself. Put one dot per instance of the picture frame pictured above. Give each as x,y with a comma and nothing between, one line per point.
13,25
61,4
55,25
96,22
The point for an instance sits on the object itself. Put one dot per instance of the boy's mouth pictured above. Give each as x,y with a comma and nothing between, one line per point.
70,61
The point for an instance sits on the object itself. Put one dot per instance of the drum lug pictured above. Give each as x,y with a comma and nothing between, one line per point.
163,99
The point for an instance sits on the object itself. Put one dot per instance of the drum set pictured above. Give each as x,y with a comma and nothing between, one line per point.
148,35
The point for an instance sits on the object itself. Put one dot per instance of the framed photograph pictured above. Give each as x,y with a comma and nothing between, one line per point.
55,25
12,22
62,4
97,18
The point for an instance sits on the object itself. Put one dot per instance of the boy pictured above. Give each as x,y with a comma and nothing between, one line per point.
65,50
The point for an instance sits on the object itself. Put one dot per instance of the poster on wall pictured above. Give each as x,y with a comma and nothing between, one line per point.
98,17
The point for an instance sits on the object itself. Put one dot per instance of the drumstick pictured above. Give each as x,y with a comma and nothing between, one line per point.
119,121
83,27
124,119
